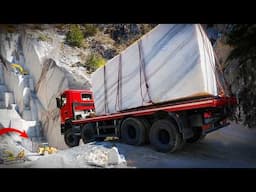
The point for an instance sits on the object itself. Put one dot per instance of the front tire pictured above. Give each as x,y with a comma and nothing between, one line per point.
71,140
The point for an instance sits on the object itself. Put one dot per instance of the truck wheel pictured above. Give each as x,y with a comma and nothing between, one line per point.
71,140
133,131
198,136
164,136
147,126
88,133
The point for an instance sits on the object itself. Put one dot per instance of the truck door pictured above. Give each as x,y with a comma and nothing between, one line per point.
65,113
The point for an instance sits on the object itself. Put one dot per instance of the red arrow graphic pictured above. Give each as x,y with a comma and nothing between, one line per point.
6,130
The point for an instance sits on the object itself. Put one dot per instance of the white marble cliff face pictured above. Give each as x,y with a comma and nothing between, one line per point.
49,73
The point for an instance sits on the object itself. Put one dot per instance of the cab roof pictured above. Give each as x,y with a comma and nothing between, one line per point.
77,90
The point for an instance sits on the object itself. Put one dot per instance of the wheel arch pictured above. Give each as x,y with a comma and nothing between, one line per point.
174,117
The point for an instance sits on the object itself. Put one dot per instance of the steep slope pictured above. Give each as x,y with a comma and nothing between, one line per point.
48,75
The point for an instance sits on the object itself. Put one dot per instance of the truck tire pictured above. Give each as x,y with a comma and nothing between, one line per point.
147,127
164,136
198,136
88,133
71,140
133,131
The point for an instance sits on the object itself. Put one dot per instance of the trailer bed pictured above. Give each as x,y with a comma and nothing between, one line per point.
209,102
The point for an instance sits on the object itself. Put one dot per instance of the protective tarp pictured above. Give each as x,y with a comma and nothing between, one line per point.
171,62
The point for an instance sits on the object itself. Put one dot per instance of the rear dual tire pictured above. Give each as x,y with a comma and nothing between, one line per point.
164,136
133,131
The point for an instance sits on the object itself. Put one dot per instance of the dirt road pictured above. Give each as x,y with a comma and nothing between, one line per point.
231,147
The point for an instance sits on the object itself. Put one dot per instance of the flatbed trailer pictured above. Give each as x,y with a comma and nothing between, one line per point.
167,126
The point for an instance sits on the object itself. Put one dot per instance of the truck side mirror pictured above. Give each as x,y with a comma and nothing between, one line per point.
58,102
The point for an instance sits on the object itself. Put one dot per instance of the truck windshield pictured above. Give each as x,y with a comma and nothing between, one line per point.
86,96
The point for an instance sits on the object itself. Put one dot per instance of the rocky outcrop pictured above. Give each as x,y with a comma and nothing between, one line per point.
238,75
49,73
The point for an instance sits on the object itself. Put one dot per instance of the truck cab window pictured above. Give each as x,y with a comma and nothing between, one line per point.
86,96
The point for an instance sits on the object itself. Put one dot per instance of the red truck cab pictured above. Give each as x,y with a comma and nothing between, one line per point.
75,104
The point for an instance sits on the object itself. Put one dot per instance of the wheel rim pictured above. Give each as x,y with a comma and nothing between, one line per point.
131,132
71,138
163,137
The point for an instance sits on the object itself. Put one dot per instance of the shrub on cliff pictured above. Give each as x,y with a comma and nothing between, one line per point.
94,61
75,36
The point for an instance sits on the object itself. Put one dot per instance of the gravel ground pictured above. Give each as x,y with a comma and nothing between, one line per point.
231,147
